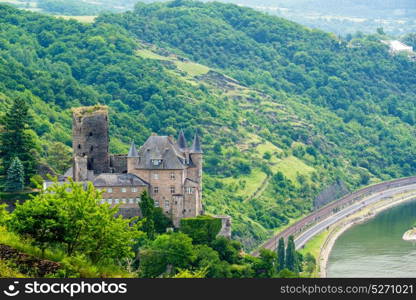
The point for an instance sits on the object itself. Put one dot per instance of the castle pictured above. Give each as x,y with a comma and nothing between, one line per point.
170,171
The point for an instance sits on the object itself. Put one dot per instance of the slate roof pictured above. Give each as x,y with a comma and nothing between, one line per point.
117,179
133,151
196,146
182,140
161,148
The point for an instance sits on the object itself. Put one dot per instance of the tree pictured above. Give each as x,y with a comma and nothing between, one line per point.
40,221
147,207
4,214
281,254
202,229
291,255
227,249
71,215
265,267
59,157
183,273
310,263
16,139
166,254
15,176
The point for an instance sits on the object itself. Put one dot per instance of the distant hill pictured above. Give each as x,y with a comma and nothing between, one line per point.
284,111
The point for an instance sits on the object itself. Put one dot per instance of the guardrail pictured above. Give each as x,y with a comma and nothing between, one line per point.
332,207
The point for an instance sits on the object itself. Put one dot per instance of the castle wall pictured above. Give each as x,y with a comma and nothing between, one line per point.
122,195
162,182
118,163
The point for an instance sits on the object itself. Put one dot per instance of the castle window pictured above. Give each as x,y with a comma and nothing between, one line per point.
109,190
189,190
131,200
123,190
172,190
123,200
172,175
167,205
90,133
156,162
155,190
137,200
91,148
155,176
79,146
116,201
157,203
134,190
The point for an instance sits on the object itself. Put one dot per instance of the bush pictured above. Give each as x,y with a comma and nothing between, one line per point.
202,229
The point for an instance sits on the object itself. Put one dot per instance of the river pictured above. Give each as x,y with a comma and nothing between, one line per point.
375,248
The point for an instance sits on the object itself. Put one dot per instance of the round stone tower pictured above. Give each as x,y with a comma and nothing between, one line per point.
90,136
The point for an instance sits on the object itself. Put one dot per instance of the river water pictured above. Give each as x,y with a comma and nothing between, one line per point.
376,248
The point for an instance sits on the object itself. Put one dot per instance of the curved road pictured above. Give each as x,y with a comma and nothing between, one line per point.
305,236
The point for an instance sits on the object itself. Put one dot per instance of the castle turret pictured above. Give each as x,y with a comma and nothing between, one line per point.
195,173
90,137
182,141
132,158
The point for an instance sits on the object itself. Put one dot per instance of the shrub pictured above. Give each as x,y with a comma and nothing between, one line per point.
202,229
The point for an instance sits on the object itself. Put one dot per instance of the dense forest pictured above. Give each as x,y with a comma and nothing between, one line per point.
284,111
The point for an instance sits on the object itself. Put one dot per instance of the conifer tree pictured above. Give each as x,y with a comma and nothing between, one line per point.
15,176
281,254
147,207
15,140
291,256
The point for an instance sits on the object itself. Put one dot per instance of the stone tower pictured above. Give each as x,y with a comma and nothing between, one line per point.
90,137
195,173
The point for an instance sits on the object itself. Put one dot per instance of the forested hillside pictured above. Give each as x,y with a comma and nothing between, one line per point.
284,111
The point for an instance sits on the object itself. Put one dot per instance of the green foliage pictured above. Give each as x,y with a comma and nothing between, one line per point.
147,207
59,157
15,176
16,139
70,217
323,107
292,261
155,221
281,255
165,254
310,263
69,7
4,215
202,229
227,249
266,267
37,181
190,274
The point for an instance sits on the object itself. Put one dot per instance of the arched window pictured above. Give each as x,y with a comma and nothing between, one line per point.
91,148
79,146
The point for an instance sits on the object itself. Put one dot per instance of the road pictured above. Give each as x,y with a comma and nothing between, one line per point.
305,236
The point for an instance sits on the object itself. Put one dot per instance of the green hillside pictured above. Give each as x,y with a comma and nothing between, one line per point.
284,111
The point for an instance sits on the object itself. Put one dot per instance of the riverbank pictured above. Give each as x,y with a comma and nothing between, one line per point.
363,215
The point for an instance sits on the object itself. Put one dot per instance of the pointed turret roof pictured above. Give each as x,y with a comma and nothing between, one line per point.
182,140
133,151
196,145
